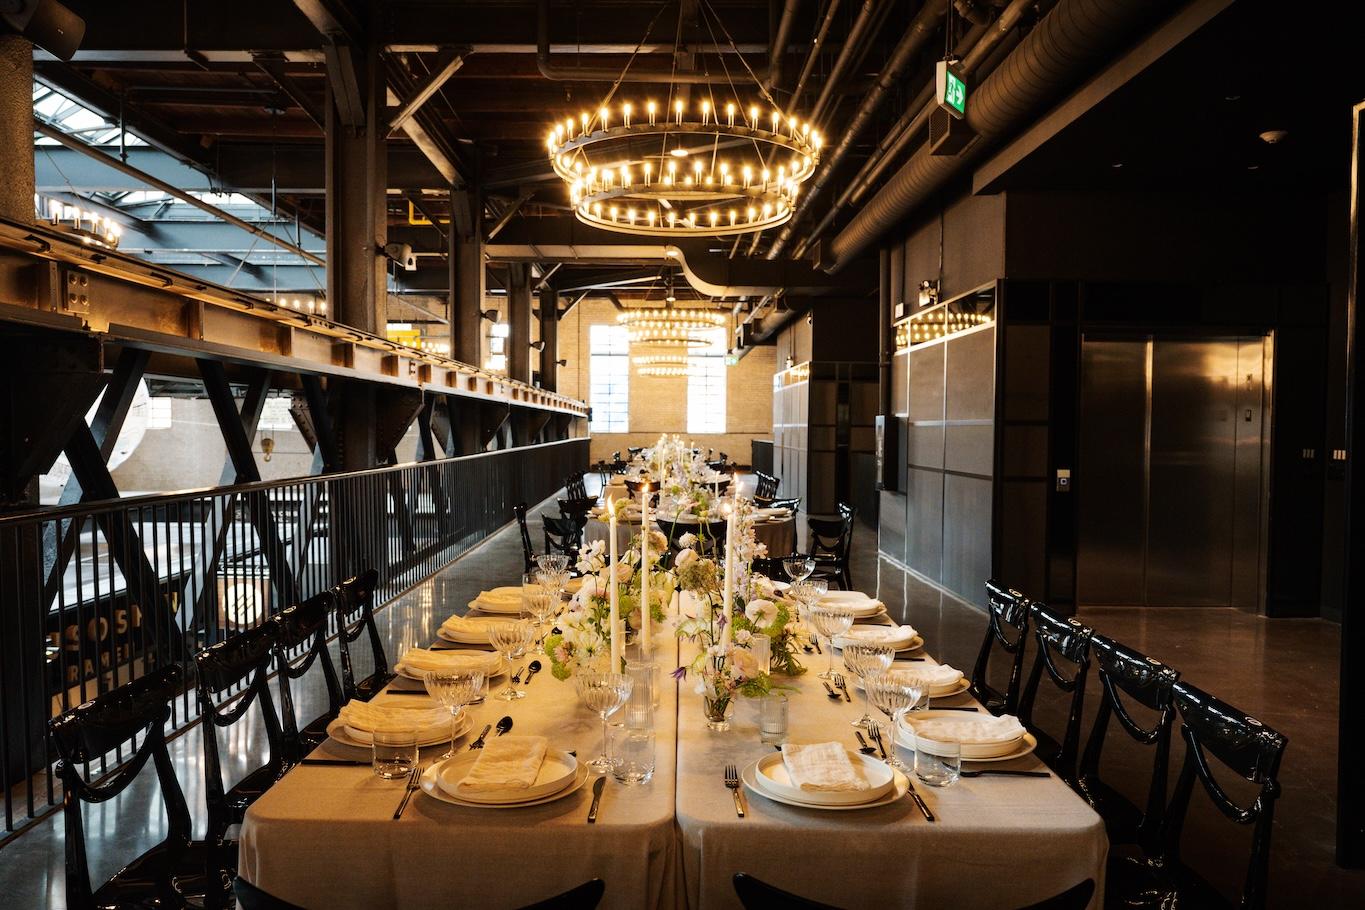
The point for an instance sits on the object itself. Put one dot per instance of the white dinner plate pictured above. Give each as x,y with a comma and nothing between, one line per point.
557,772
432,788
982,752
914,644
749,776
348,737
471,637
771,774
501,666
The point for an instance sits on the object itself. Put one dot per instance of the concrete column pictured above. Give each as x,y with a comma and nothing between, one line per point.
549,333
466,276
16,128
519,322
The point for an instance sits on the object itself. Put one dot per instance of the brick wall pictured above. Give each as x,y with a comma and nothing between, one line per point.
659,405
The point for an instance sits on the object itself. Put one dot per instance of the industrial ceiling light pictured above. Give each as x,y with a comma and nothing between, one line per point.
672,168
661,365
669,326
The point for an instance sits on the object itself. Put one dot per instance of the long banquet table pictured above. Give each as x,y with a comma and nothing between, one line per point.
777,534
324,836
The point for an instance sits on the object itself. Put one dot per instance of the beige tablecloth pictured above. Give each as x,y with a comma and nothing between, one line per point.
999,842
778,536
324,837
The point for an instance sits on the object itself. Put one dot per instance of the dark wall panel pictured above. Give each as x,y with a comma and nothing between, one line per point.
924,523
966,535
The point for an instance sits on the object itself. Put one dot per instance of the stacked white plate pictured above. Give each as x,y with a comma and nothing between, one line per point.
428,735
856,602
945,681
768,778
493,664
560,774
505,600
902,638
997,739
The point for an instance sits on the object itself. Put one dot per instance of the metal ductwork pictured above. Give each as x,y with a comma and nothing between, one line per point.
1065,46
781,40
858,33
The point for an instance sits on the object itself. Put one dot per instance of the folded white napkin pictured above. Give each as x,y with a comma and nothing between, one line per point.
938,676
821,766
507,763
970,729
421,660
507,594
896,636
369,717
470,625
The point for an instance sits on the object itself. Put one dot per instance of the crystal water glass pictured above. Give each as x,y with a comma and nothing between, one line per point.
773,715
603,693
453,690
394,753
539,601
511,640
893,696
831,622
863,660
798,568
553,562
632,753
941,767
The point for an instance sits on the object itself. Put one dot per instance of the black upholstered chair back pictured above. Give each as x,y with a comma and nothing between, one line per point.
563,535
1215,731
86,734
355,617
1062,658
1127,677
766,488
528,555
1007,622
305,627
574,488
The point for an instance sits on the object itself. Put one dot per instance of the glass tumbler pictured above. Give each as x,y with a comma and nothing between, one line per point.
632,753
394,753
762,646
939,765
772,718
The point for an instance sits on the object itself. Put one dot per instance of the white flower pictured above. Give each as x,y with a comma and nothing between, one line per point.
764,586
761,612
746,664
742,636
688,540
685,558
587,589
624,571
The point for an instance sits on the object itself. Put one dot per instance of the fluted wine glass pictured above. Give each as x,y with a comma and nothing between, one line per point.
798,568
893,694
603,693
511,639
830,622
453,690
864,660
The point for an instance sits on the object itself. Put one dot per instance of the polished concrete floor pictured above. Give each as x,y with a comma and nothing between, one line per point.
1282,671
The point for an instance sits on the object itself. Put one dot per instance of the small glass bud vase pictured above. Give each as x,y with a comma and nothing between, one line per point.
717,710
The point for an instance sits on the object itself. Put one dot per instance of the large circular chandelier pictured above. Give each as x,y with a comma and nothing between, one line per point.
661,365
670,167
669,327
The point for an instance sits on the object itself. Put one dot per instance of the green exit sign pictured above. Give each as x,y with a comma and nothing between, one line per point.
950,89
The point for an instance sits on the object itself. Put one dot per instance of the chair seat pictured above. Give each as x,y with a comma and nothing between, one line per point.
1133,881
249,789
136,884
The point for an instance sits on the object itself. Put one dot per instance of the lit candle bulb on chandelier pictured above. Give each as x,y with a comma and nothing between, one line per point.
678,110
602,117
730,114
650,108
625,111
705,111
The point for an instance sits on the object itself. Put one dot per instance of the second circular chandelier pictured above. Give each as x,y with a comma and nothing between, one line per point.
669,167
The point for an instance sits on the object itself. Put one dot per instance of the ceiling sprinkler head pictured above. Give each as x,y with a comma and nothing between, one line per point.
1274,137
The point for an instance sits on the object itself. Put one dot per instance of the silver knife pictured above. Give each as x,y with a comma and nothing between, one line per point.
597,788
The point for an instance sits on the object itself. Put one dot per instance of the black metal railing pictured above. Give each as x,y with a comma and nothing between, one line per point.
95,595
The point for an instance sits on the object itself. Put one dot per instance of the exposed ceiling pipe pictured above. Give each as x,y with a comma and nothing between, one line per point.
156,183
814,54
916,36
1066,45
557,73
781,41
856,34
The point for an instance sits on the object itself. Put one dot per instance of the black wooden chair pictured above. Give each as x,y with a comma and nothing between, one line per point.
249,897
710,536
585,897
170,871
528,555
1126,674
577,509
831,543
1061,641
636,487
306,624
234,675
563,535
766,487
1077,897
574,488
756,894
355,617
793,503
1007,620
1212,730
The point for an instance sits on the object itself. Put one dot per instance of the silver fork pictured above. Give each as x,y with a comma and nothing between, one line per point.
843,686
732,782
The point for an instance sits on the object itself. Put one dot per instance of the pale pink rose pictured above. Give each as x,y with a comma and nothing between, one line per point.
624,571
685,558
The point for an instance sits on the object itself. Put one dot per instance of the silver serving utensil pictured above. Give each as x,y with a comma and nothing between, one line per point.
478,743
414,776
864,747
532,670
732,783
843,686
504,725
597,787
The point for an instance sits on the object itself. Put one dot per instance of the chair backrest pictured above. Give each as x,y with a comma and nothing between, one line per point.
243,660
767,485
830,538
585,897
563,535
528,555
355,616
85,734
755,894
1125,673
1061,640
249,897
1077,897
577,509
574,488
1007,619
303,624
847,511
1248,748
793,503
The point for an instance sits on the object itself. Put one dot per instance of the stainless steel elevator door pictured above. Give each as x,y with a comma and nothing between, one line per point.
1169,476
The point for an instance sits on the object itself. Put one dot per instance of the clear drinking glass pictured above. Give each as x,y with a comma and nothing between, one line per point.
772,718
762,646
553,562
798,568
938,762
644,695
831,622
893,697
632,753
603,693
452,691
394,753
539,601
511,639
864,660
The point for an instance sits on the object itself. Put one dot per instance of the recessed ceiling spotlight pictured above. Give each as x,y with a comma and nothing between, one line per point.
1274,137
